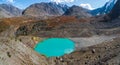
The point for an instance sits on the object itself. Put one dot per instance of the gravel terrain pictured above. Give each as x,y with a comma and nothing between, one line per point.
89,41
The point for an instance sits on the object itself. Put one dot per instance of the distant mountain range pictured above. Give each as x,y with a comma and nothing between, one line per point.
44,9
68,26
105,9
53,9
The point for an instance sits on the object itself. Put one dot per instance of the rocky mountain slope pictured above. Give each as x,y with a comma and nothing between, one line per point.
11,9
104,9
110,20
69,26
45,9
4,13
7,10
51,28
115,13
14,52
77,11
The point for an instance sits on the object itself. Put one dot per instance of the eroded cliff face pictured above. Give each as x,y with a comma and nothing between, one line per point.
14,52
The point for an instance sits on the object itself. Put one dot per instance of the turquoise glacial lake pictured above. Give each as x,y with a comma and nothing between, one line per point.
55,47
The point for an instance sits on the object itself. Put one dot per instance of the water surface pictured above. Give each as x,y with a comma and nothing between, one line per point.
55,47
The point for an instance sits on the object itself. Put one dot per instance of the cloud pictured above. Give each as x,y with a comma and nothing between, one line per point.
9,1
87,6
60,1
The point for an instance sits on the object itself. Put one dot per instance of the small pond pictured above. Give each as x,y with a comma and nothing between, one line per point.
55,47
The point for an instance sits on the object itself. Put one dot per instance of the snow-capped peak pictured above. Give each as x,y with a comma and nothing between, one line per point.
111,2
105,9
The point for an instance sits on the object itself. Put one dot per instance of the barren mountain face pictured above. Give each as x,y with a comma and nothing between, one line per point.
14,52
45,9
8,11
77,11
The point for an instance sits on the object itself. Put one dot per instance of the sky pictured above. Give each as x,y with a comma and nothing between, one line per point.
89,4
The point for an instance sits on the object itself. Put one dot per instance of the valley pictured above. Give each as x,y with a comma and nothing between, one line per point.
96,37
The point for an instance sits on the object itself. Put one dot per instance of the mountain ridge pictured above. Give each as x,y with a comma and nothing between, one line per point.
8,10
45,9
77,11
115,12
104,9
